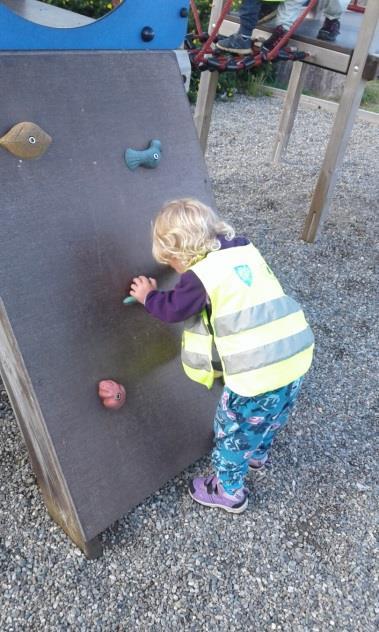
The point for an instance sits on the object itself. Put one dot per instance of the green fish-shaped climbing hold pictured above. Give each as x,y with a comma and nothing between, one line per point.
149,157
26,140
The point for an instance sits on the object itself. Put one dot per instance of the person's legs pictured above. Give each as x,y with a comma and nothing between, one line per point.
249,15
333,10
240,43
277,416
286,15
226,489
244,429
230,454
288,12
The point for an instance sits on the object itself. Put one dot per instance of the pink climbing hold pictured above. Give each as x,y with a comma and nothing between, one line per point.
112,394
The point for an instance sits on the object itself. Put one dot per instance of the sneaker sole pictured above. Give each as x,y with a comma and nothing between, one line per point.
237,510
235,51
267,464
326,38
257,470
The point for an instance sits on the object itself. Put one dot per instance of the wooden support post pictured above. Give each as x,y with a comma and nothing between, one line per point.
207,88
291,103
343,124
204,106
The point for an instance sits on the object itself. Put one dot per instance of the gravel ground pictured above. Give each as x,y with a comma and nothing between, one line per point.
302,557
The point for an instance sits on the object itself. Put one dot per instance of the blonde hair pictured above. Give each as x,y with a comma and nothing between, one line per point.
187,230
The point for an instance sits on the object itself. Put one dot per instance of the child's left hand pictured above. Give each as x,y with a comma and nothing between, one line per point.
141,286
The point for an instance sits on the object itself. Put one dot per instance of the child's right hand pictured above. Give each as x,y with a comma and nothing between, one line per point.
141,286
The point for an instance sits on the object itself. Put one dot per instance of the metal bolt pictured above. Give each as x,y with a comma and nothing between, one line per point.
32,140
155,156
147,34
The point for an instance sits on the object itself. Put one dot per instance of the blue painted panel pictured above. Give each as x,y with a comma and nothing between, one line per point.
118,30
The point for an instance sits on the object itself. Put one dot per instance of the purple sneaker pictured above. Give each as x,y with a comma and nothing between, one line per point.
209,492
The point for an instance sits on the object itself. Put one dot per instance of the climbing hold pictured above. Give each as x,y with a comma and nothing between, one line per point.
149,157
112,394
26,140
183,12
129,300
147,34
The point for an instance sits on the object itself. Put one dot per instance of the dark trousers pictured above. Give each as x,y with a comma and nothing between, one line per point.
249,15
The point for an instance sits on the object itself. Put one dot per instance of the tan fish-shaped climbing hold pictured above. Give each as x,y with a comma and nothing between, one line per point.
26,140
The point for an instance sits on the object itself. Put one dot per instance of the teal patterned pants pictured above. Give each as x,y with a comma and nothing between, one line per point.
245,428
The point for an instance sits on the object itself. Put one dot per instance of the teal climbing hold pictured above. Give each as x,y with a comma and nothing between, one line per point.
129,300
149,157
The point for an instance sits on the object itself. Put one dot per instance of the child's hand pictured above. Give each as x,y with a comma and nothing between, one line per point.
141,286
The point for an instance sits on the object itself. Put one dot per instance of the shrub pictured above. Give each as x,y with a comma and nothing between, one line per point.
229,83
370,99
91,8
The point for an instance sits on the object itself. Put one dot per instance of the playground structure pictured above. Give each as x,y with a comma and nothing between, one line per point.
145,26
75,230
206,57
355,54
76,224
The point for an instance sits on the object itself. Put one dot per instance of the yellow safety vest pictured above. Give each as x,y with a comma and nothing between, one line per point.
261,335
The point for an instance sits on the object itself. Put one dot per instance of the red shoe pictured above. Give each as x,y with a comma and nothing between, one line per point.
329,30
274,39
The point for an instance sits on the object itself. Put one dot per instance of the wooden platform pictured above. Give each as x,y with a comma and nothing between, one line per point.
335,56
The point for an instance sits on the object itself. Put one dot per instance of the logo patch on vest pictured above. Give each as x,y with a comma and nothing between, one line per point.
244,274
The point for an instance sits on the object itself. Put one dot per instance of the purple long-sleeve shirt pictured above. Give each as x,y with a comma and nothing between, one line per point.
188,297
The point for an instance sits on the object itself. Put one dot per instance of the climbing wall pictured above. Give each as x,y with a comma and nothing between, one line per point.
75,229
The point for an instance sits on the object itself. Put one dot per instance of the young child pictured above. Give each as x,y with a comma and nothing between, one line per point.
288,11
237,323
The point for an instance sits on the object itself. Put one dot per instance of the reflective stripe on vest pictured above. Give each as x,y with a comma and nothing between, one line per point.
255,316
196,360
196,325
268,354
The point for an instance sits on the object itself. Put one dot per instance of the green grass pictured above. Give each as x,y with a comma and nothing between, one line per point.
370,99
256,86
